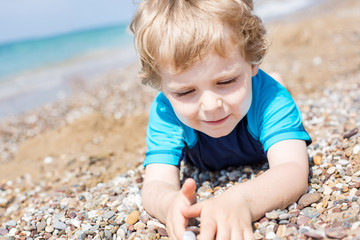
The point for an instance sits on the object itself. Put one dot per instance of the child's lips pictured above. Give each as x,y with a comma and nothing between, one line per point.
217,122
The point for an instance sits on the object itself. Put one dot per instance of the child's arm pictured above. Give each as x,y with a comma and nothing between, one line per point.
229,216
162,197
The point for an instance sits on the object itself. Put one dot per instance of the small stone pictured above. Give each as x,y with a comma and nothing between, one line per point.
3,231
72,215
40,226
303,220
121,233
108,214
47,235
162,232
59,225
284,216
291,231
324,203
107,234
356,149
310,212
327,190
317,160
11,223
12,232
150,236
48,160
351,133
139,225
133,217
331,170
284,222
272,215
313,235
308,199
281,231
144,218
49,229
189,235
352,192
258,236
270,235
335,233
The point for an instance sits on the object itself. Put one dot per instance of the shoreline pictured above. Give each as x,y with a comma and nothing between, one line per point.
32,89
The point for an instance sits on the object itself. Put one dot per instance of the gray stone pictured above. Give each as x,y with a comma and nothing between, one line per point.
11,223
41,226
3,231
59,225
108,214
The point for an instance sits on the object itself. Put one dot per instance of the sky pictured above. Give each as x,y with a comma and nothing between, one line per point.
27,19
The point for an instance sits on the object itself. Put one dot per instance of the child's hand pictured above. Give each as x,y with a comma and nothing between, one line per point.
222,217
176,222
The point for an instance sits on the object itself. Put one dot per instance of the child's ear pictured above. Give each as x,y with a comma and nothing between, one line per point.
254,69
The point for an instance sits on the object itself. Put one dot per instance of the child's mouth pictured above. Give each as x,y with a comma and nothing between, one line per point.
217,122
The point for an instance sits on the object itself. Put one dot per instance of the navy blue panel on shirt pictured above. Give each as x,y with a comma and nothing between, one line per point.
237,148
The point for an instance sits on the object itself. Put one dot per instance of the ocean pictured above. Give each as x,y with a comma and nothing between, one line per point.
36,71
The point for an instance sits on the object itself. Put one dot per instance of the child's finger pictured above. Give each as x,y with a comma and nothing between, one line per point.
248,233
207,230
192,211
188,190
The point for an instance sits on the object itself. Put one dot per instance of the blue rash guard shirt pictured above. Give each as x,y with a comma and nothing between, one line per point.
273,116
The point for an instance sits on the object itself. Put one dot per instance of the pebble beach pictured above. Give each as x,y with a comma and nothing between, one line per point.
72,169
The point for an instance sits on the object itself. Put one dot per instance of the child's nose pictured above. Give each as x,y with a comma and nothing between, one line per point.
210,102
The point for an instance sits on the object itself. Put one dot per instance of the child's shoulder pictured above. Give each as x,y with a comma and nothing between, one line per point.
267,92
273,114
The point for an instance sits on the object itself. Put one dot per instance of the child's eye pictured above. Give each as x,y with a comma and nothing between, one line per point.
184,93
227,82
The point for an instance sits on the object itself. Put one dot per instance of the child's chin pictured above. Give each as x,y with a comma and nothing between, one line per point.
218,133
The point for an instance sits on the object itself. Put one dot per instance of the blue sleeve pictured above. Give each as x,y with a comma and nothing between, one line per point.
273,115
166,135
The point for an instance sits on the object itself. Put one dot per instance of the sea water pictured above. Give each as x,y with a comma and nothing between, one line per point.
36,71
33,54
33,72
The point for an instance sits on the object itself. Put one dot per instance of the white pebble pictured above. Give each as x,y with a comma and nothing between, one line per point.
48,160
270,235
356,149
12,232
189,235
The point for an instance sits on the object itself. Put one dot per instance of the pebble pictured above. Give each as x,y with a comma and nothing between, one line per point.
189,235
49,229
272,215
59,225
108,214
303,220
356,149
3,231
40,226
336,233
132,217
308,199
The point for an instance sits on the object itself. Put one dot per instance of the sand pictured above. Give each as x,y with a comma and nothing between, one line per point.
310,49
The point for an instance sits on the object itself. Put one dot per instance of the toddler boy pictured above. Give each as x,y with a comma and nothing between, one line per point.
215,109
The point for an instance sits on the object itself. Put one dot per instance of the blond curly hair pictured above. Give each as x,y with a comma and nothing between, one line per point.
180,33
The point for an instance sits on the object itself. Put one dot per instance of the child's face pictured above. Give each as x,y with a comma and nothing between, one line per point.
214,95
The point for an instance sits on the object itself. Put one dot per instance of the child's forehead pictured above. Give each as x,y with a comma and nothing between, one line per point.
212,63
173,67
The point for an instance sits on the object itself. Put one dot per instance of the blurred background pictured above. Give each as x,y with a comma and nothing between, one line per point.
48,47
